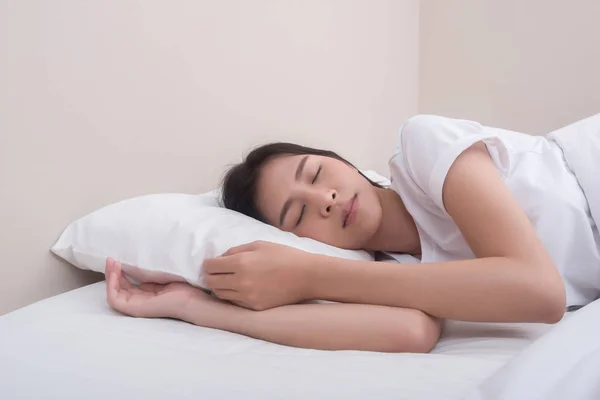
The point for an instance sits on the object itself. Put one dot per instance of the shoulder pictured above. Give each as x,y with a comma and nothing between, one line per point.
432,131
424,122
426,148
424,140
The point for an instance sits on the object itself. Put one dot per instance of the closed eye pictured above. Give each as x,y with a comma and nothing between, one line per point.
317,175
304,206
301,215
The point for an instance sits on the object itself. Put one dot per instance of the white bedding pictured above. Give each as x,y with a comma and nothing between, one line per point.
562,364
73,346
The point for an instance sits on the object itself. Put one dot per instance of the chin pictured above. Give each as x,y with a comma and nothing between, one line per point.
364,233
368,229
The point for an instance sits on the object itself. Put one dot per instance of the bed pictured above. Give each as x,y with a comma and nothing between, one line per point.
73,346
562,364
93,115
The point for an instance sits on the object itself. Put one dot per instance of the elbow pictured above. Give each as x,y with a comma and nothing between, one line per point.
538,293
420,336
550,299
426,334
554,308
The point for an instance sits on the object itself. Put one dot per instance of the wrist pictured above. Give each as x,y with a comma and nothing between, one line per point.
334,279
187,308
182,310
205,310
308,268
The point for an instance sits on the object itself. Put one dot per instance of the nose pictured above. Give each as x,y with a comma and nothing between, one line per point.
327,201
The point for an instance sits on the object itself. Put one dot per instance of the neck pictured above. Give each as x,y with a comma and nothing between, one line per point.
397,232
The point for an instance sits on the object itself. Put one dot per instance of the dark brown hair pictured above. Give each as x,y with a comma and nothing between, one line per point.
239,183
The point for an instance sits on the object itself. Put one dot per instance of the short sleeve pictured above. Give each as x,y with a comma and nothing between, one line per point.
428,145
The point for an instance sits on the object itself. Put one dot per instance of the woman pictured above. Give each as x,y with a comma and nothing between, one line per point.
499,221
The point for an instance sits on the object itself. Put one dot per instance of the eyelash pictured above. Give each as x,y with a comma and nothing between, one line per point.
301,215
316,175
304,206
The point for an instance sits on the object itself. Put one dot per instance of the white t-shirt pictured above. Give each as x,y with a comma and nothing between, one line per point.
534,170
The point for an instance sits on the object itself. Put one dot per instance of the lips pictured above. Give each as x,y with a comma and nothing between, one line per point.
349,212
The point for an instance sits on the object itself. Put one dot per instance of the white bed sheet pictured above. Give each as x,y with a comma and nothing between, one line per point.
562,364
73,346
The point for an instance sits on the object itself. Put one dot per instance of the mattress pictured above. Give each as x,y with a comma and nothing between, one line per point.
73,346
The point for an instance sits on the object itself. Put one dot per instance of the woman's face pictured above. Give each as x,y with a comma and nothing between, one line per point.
319,197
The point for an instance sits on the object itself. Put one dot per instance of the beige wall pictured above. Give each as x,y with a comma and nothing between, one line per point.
109,99
105,100
532,65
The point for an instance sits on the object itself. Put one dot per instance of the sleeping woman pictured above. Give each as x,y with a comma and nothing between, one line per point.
501,224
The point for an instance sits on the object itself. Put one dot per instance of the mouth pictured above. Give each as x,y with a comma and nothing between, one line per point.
349,211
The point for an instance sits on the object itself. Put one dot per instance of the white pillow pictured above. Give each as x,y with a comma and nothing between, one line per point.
375,177
165,237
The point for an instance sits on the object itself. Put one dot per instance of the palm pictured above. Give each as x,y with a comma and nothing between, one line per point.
149,300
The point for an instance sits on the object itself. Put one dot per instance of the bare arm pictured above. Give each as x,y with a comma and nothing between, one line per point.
325,326
496,289
315,326
513,278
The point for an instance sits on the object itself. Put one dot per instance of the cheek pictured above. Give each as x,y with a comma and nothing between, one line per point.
332,233
371,216
322,230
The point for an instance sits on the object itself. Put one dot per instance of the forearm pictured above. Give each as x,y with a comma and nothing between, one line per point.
327,326
488,289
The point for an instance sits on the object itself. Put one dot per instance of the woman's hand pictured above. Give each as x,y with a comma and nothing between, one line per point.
149,300
260,275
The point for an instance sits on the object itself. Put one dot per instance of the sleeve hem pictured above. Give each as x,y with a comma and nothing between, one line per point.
443,165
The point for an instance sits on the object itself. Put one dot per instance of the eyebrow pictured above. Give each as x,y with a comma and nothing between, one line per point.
288,203
300,168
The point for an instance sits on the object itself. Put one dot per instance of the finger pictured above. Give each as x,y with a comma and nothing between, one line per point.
220,265
118,296
232,298
221,281
118,288
242,304
241,248
123,281
112,288
109,266
116,266
226,294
